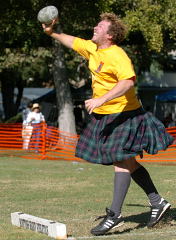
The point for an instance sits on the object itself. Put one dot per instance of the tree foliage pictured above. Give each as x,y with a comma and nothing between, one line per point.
152,34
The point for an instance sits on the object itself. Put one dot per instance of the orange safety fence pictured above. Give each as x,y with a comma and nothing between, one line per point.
40,141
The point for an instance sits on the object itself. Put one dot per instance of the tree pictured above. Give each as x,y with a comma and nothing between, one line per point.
66,118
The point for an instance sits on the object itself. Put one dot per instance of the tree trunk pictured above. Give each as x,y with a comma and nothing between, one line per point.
7,89
9,79
20,88
66,119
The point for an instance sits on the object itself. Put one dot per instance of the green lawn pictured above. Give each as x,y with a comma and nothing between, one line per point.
75,194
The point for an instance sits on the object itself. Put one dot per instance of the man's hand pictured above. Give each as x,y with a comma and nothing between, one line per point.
48,28
93,103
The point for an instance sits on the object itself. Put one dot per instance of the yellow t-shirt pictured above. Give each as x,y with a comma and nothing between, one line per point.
108,67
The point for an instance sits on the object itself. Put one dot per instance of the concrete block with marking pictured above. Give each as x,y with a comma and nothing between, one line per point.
51,228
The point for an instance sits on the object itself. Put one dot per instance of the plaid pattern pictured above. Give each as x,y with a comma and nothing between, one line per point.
116,137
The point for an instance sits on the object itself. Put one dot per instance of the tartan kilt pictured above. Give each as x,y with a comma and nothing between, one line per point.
120,136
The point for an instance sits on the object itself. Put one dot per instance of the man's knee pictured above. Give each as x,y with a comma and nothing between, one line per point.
129,165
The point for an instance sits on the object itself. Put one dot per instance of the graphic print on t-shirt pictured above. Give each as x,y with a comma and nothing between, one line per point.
99,67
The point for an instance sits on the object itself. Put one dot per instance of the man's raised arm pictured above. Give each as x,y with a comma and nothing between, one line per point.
65,39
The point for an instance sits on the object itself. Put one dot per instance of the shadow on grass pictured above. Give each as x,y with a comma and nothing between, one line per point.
138,205
142,219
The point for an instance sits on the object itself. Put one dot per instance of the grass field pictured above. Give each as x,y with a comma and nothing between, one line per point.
75,194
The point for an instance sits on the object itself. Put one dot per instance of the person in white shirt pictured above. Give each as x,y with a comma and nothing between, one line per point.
26,129
26,111
34,118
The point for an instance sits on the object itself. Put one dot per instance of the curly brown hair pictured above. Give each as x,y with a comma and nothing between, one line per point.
117,29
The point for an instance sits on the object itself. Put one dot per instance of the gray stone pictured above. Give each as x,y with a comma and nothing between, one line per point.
47,14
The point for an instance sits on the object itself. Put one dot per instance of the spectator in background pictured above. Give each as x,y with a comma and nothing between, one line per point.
26,129
34,118
26,111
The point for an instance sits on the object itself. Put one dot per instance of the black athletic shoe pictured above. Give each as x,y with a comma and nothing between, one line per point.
110,221
157,212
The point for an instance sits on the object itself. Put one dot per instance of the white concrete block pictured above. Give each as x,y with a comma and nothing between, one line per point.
51,228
